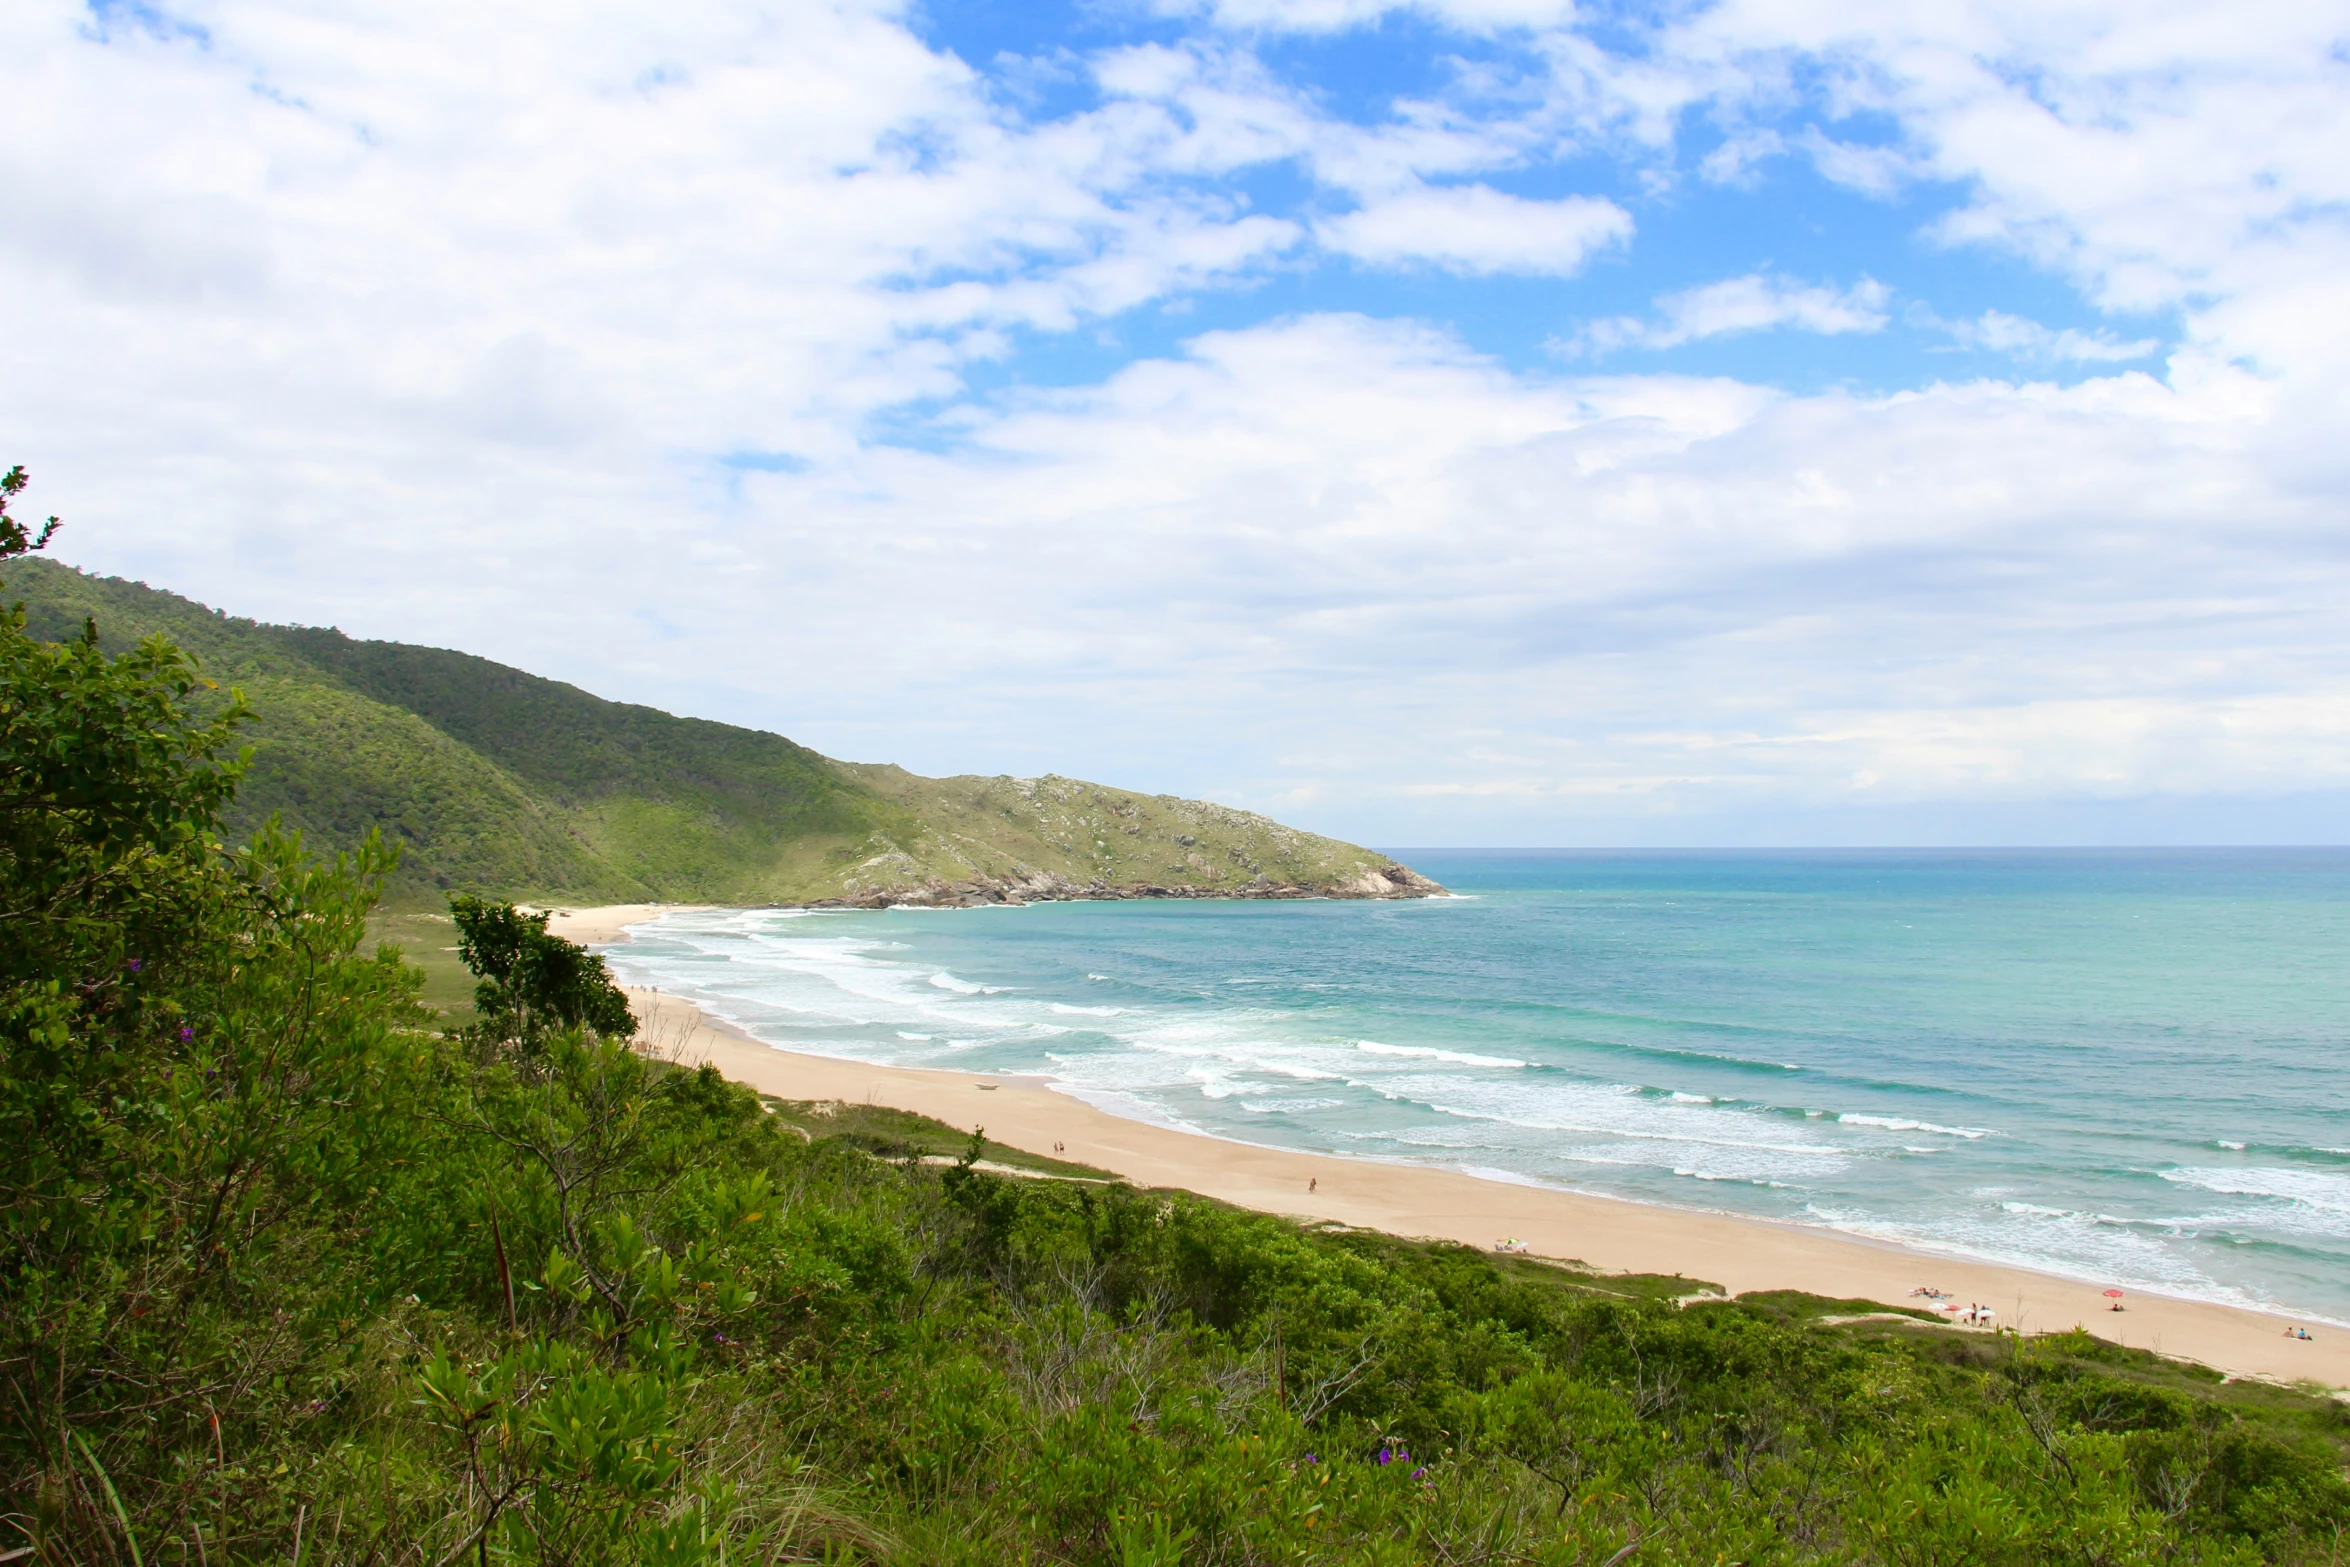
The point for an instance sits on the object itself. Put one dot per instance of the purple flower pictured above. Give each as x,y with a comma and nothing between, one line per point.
133,965
1386,1457
1419,1474
186,1033
1311,1459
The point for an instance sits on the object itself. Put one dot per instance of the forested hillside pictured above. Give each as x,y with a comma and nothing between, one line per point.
493,780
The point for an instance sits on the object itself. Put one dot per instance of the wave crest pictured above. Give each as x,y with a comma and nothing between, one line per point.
1425,1053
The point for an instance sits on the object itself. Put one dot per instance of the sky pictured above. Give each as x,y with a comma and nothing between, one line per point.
1466,422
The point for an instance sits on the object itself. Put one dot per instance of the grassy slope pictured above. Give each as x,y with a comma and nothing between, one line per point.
683,807
1011,828
334,761
497,781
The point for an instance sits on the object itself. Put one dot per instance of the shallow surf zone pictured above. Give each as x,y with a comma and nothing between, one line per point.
1688,1035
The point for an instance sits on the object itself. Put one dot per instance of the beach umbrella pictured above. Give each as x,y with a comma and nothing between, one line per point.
2113,1294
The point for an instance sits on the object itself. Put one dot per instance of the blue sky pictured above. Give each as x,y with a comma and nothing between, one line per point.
1780,218
1471,421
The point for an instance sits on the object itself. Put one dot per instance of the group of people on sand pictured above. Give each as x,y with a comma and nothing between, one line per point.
2301,1333
1979,1316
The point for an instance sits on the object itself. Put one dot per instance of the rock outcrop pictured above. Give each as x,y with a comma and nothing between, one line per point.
1386,881
981,840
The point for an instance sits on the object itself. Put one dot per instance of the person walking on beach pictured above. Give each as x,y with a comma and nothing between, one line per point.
1312,1181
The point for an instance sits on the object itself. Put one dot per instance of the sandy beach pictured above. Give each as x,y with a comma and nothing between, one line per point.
598,927
1740,1255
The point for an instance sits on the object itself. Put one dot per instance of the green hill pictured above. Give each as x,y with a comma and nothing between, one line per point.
496,781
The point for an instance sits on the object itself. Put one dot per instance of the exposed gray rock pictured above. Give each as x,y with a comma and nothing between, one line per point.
1386,881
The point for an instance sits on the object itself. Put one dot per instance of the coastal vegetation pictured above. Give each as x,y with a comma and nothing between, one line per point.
489,780
292,1274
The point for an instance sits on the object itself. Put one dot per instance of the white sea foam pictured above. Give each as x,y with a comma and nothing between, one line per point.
1801,1150
2258,1219
1613,1126
1223,1085
1456,1057
2069,1243
1299,1072
1690,1161
802,981
843,989
2327,1191
1898,1123
2033,1210
1549,1103
1716,1175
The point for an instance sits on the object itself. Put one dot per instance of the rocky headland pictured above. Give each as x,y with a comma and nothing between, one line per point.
1002,840
1385,881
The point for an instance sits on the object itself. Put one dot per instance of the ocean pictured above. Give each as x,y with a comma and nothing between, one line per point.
2131,1067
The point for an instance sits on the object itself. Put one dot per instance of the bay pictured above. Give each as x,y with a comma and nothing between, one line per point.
2129,1066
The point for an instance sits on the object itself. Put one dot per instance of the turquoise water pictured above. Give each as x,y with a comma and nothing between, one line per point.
2130,1066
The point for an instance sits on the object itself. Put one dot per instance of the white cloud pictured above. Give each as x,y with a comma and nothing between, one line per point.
1325,16
1640,598
2175,155
713,211
1475,229
2160,154
1756,302
2025,339
1872,169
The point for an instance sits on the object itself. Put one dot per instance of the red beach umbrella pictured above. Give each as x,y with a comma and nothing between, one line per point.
2113,1294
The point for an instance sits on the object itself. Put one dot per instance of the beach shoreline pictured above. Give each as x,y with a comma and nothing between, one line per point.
1742,1255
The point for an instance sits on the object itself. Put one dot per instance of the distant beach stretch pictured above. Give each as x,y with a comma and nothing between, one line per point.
1039,1109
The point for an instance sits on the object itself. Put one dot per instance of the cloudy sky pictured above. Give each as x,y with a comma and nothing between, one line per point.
1475,421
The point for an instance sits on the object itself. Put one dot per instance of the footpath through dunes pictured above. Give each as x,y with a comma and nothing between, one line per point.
1742,1256
503,783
